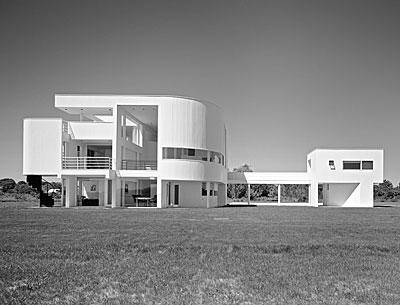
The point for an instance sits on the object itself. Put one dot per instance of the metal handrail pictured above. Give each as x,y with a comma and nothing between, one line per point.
87,163
139,165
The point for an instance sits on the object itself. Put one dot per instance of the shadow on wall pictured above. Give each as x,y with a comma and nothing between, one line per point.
341,194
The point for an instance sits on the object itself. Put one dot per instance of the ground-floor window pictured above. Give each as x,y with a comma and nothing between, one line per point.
293,193
139,193
237,192
264,193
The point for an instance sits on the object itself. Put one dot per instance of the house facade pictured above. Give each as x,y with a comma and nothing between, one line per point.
134,151
170,151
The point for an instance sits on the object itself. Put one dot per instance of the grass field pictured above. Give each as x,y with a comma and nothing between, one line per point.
269,255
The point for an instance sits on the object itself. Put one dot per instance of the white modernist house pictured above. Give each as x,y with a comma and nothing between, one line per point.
135,151
170,151
334,177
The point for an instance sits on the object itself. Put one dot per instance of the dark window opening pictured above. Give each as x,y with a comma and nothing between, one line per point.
368,165
351,165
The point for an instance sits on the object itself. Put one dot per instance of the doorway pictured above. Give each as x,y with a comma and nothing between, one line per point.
176,194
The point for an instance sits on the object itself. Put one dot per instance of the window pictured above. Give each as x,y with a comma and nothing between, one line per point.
211,189
192,154
332,165
352,165
215,189
168,153
368,165
204,189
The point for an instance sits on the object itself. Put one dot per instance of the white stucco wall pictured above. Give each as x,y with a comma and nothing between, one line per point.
42,146
90,131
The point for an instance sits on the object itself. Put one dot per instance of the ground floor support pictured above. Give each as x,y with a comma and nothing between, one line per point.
356,194
300,194
193,194
141,192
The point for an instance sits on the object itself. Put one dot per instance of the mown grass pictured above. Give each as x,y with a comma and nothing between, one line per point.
268,255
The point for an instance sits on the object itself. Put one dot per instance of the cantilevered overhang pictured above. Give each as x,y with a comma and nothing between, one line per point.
137,173
268,178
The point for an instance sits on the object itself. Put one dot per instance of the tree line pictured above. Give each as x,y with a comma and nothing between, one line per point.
10,190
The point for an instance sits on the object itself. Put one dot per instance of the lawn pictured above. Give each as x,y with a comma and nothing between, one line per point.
264,255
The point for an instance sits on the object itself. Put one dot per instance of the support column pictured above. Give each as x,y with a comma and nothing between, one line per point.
62,192
116,193
70,194
101,193
279,194
248,193
314,194
122,192
105,192
208,184
160,197
80,190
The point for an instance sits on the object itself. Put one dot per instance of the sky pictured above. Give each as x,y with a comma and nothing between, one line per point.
290,76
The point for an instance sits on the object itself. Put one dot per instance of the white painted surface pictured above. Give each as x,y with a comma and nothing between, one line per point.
42,146
90,131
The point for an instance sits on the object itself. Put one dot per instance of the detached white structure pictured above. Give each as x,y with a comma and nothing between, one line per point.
334,178
166,151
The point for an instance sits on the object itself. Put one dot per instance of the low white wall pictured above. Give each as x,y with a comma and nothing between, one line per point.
190,195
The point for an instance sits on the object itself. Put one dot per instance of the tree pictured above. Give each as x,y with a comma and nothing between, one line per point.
237,191
23,188
7,184
385,191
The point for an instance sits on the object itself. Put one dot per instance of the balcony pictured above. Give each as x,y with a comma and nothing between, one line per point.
139,165
87,163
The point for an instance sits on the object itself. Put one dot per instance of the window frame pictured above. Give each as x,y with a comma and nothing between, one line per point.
351,162
367,161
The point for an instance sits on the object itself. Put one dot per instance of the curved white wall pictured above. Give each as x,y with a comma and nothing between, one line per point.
188,123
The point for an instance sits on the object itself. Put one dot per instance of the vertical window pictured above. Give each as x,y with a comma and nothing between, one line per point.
204,189
332,164
211,189
215,189
352,165
368,165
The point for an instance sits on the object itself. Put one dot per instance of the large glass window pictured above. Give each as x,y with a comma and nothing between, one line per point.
264,193
351,165
293,193
192,154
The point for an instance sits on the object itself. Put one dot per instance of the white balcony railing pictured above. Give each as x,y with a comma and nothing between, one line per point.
87,163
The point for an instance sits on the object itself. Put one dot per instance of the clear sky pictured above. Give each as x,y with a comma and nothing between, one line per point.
290,75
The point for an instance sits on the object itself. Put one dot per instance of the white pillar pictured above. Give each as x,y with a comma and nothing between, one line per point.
80,189
70,195
279,194
116,193
314,194
101,192
159,193
105,192
122,192
248,193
